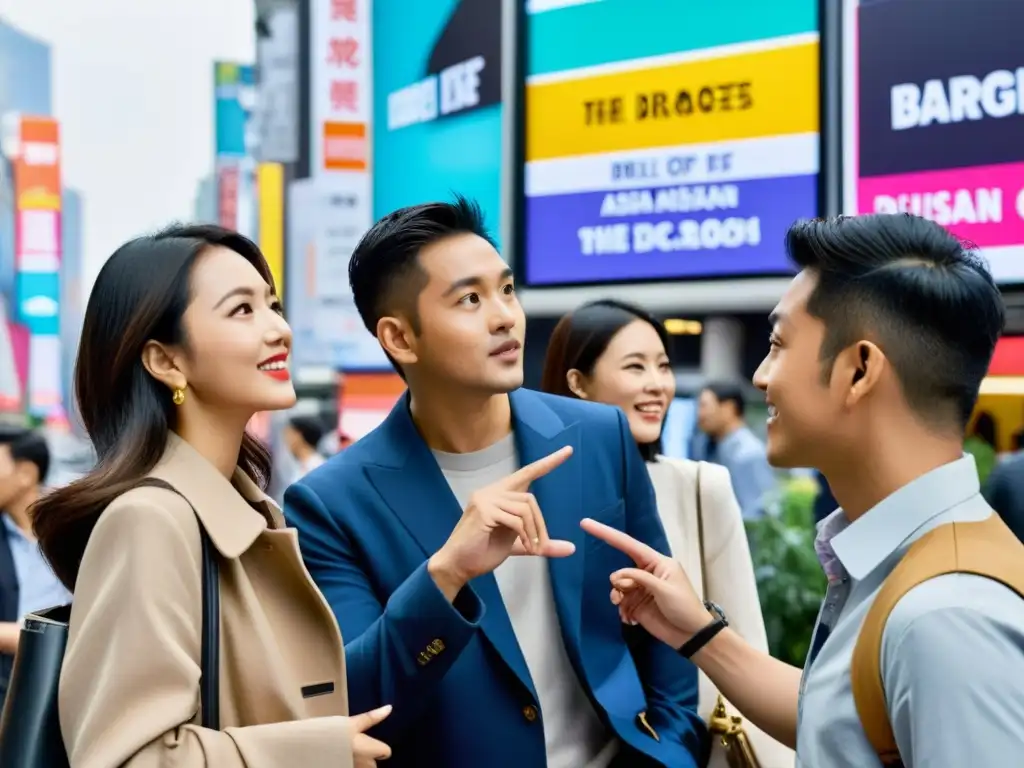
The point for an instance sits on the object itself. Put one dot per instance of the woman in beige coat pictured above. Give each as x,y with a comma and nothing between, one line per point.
183,342
616,353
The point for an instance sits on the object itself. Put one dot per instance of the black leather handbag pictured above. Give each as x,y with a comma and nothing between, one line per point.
30,734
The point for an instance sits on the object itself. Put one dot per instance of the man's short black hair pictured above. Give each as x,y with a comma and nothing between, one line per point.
384,272
726,392
919,292
27,445
310,428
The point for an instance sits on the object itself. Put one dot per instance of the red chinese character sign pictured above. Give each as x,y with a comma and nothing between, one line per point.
340,77
332,209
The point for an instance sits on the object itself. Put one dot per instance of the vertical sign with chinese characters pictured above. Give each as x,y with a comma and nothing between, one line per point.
340,184
341,63
37,189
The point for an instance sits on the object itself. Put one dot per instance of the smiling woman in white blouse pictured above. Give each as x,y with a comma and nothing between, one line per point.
615,353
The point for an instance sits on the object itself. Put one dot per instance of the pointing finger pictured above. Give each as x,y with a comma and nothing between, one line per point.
640,553
366,721
522,478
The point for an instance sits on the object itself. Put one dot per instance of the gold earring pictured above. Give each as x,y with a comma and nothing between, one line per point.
178,397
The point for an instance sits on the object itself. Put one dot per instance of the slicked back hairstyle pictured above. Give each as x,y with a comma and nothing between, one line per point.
384,271
917,291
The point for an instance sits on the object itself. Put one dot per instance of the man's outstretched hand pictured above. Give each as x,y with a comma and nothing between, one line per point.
656,594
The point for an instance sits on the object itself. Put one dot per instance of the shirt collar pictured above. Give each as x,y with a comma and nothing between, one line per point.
11,526
864,544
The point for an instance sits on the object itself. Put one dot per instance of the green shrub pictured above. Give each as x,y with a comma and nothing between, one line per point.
984,457
790,581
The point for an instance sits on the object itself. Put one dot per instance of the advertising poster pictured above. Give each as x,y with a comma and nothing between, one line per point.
37,236
437,98
326,327
938,130
341,81
672,141
234,102
330,211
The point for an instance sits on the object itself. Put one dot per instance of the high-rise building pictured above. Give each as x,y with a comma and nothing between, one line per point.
25,86
41,284
25,72
72,297
204,207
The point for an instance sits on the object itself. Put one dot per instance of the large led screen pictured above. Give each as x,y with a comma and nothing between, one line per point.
667,140
437,103
934,118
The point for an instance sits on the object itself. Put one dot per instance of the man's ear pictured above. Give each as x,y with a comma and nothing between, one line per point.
858,369
396,337
159,362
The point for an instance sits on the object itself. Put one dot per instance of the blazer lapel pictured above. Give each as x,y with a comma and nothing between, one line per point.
412,485
539,432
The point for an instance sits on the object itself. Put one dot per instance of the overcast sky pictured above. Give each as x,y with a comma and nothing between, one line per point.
133,90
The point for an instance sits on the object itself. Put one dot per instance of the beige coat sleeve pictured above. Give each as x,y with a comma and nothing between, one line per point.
729,572
129,687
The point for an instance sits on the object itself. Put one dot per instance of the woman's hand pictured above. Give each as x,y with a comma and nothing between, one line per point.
366,751
656,594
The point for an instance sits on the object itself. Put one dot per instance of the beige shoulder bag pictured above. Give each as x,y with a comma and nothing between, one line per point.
727,733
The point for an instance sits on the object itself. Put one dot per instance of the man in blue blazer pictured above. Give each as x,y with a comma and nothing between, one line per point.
448,545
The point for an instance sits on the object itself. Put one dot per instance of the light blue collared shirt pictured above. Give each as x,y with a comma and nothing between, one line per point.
743,454
38,587
952,650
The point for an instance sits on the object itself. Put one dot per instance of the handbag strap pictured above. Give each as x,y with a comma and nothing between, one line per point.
209,680
700,536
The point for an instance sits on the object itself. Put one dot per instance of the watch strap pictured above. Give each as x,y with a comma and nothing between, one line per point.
705,635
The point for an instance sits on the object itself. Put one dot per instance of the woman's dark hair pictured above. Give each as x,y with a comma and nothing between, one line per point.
141,294
582,336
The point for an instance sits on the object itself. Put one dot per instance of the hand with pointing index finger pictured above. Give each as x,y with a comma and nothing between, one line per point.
656,594
500,520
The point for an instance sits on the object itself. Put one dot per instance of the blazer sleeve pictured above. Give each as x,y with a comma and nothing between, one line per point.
129,688
395,653
729,572
669,680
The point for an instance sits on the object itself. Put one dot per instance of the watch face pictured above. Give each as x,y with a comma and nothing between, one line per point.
715,609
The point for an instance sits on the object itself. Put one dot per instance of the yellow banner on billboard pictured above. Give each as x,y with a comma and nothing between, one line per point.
270,193
751,95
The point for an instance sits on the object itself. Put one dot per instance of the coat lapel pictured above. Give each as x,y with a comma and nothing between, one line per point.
412,485
539,432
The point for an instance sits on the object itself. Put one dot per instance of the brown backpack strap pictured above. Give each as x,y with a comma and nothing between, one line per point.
987,548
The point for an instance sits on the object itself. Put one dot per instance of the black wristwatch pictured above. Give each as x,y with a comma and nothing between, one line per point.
703,637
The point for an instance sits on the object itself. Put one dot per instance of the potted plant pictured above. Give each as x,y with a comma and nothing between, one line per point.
790,581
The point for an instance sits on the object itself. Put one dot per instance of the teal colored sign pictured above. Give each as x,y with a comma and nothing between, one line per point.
437,112
234,88
38,302
610,31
